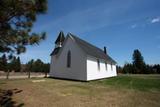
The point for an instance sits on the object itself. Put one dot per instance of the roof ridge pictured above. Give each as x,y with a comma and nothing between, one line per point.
86,42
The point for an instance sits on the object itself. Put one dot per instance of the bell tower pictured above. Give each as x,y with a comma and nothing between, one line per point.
60,39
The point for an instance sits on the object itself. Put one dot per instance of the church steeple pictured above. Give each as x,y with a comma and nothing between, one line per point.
60,39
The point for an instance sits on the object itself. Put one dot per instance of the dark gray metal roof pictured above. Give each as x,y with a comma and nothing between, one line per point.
55,51
92,50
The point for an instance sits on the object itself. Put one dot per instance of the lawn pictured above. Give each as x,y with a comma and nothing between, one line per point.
120,91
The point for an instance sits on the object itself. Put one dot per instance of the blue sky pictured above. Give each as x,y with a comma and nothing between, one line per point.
120,25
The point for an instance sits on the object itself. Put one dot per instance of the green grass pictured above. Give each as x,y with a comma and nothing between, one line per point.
142,83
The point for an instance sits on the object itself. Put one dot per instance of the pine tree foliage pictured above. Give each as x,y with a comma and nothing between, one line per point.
18,65
138,61
16,22
37,66
3,63
15,64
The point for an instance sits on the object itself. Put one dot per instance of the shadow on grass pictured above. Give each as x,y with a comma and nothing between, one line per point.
2,83
66,79
6,98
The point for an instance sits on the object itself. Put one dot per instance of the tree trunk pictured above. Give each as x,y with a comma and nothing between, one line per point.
7,76
29,74
45,75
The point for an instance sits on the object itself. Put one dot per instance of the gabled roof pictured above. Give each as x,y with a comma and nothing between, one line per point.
92,50
88,48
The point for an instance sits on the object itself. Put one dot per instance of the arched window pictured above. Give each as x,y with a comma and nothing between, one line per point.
69,59
98,64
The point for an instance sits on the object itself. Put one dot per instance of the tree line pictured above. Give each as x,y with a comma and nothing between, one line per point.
15,65
37,66
138,66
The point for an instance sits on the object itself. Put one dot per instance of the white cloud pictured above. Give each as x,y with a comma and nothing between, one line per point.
133,26
155,20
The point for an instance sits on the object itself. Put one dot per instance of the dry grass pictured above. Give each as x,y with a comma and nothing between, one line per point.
62,93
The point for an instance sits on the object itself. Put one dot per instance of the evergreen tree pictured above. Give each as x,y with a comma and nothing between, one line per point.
128,68
18,65
138,61
46,69
38,66
16,21
13,64
3,63
119,69
156,68
30,67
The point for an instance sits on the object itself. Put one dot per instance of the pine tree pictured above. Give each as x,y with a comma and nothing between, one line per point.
3,63
13,64
16,21
38,66
30,67
138,61
18,65
46,69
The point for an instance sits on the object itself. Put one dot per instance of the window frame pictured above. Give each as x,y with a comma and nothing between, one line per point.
98,64
106,66
111,67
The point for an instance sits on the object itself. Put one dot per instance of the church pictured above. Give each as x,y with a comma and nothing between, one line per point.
76,59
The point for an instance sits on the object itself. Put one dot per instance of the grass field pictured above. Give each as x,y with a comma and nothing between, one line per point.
121,91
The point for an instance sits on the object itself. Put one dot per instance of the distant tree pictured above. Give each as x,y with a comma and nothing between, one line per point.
12,64
38,66
128,68
30,67
9,69
156,68
3,63
46,68
138,66
119,69
15,64
149,69
18,65
138,61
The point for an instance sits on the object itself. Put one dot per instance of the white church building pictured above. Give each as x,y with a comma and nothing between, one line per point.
76,59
